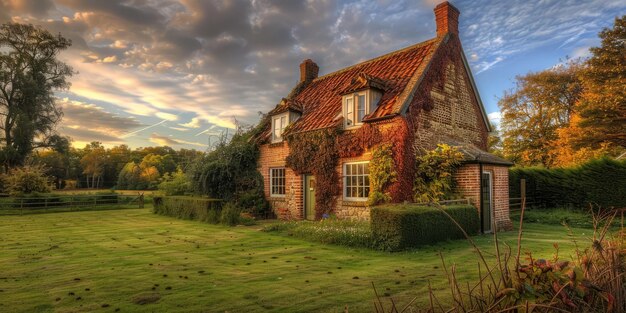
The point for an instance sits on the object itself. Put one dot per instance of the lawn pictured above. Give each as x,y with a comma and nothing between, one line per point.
106,261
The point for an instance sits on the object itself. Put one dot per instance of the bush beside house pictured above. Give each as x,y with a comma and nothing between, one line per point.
397,227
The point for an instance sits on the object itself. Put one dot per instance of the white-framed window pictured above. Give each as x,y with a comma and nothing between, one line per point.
356,181
279,122
355,108
277,182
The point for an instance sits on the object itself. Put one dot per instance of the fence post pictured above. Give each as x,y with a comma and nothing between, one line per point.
141,201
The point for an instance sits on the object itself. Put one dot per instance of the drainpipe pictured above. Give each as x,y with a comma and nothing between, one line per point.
480,195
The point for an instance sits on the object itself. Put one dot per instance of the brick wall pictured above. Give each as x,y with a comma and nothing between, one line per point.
455,114
289,206
467,180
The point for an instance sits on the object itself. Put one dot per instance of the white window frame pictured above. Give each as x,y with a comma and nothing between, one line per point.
272,194
351,111
283,124
345,182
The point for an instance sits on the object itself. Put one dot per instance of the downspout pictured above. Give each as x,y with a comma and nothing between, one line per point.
480,195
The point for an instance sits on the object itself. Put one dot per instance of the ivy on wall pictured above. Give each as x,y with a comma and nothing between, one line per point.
316,153
433,173
382,174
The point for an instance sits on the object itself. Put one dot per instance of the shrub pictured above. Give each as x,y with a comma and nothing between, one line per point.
329,231
230,214
433,178
230,173
382,173
26,180
192,208
397,227
600,182
176,184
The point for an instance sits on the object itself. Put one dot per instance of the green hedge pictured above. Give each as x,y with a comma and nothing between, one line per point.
191,208
600,182
398,227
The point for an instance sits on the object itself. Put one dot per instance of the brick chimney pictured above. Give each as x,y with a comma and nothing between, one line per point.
308,70
447,18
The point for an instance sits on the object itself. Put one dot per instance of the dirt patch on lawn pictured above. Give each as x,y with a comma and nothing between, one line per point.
146,298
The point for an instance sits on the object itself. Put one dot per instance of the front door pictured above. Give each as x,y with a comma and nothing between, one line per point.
486,202
309,197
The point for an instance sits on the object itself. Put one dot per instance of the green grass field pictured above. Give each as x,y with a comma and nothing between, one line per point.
106,261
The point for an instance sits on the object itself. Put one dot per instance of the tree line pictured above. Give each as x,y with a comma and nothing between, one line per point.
95,166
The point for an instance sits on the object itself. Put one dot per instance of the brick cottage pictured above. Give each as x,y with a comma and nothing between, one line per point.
413,98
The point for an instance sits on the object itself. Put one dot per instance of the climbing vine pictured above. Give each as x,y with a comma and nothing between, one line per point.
315,153
382,174
433,173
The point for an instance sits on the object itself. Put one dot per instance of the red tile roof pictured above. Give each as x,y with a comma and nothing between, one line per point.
400,72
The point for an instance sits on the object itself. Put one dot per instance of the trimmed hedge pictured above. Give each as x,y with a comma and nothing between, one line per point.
191,208
600,182
398,227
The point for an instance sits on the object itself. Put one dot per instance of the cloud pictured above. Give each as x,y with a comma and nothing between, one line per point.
498,30
169,141
163,140
89,122
194,123
167,116
495,118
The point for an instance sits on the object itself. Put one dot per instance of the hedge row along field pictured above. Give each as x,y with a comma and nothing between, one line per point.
398,227
599,182
191,208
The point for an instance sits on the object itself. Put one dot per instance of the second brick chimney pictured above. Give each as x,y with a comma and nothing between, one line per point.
308,70
447,18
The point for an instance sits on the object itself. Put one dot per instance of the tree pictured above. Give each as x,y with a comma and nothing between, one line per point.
29,74
541,103
129,176
163,163
602,108
93,163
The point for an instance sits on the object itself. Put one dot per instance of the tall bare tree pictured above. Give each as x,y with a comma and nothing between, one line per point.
30,72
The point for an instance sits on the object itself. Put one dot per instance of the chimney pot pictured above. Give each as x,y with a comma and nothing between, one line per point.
308,70
447,19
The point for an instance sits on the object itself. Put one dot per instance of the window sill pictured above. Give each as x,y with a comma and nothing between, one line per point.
277,197
357,202
352,127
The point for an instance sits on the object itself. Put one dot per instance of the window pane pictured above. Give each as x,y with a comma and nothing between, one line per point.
357,180
277,181
360,107
349,111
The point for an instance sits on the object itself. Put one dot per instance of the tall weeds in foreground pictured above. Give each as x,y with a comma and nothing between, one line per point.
594,282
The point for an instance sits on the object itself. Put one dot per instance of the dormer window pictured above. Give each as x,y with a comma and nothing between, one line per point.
279,122
355,108
357,105
360,98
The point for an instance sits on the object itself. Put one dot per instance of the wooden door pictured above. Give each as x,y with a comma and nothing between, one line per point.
309,197
487,202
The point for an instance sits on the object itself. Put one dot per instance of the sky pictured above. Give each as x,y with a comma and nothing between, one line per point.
183,72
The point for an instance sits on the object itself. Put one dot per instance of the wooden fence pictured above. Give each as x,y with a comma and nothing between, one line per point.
50,203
